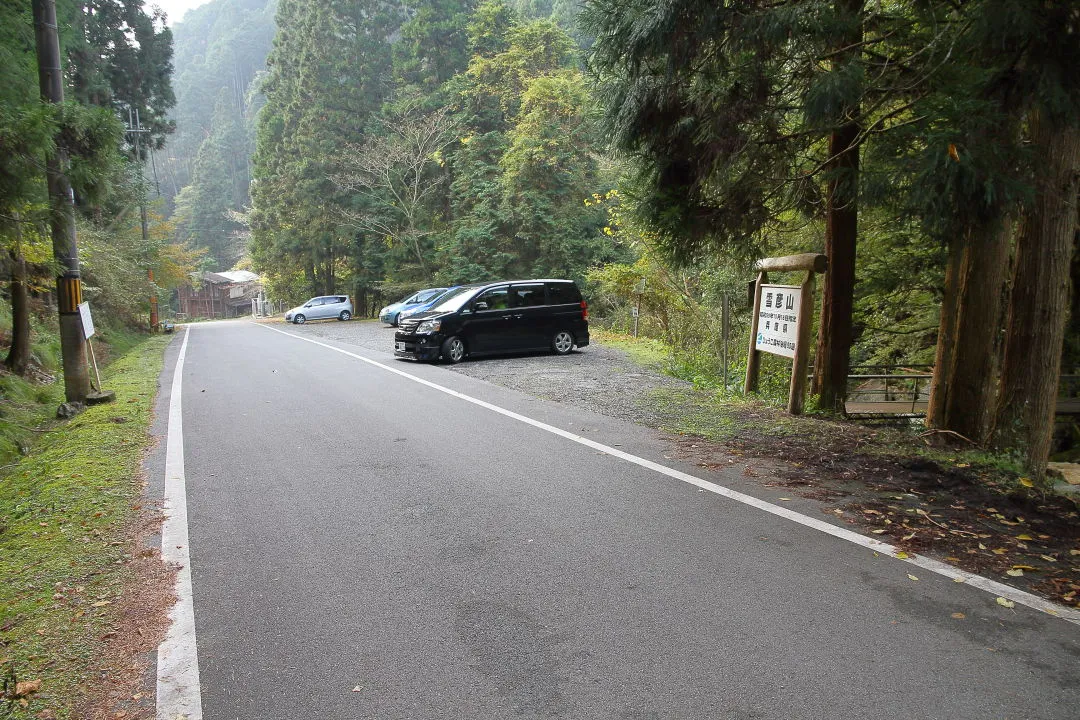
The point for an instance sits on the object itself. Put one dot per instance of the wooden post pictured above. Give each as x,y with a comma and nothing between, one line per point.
797,390
725,330
752,358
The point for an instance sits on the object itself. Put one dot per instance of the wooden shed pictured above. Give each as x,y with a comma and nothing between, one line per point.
219,295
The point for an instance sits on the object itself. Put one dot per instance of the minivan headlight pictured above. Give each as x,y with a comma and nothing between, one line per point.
428,326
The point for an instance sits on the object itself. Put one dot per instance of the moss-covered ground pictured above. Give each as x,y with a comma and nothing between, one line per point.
66,514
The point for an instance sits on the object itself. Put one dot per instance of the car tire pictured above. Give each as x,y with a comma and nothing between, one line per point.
299,320
562,342
345,315
453,350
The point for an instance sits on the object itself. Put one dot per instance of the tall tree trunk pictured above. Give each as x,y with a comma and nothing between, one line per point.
1040,300
963,390
18,358
838,290
945,350
841,234
62,212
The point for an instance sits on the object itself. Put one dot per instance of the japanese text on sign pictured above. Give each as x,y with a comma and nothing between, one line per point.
778,320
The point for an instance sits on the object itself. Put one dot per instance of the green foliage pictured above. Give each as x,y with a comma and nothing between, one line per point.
221,50
120,57
204,209
115,57
495,191
326,80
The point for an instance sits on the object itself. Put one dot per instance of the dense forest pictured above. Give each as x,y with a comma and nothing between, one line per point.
116,58
650,151
220,59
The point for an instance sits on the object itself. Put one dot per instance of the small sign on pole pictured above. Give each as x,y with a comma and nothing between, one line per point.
781,322
87,321
88,332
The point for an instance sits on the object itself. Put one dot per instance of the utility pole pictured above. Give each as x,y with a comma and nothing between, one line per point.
62,212
135,129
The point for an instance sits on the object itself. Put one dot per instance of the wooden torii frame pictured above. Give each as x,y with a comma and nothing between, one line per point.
810,263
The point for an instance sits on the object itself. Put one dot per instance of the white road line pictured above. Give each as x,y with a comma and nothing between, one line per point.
179,696
935,566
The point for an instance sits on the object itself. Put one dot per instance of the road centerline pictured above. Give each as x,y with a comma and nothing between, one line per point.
935,566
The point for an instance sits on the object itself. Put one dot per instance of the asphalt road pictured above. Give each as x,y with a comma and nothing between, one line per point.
367,546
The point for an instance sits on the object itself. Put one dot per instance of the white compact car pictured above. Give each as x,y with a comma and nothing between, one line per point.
321,308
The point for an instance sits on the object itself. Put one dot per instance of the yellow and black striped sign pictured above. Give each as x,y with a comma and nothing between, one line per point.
69,293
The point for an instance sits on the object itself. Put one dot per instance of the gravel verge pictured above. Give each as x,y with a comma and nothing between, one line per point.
598,378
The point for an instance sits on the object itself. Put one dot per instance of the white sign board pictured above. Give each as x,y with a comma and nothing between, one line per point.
778,319
87,321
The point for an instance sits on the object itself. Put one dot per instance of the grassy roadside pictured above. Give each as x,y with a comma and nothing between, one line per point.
68,512
707,411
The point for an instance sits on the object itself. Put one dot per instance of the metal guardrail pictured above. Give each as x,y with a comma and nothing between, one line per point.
910,388
897,388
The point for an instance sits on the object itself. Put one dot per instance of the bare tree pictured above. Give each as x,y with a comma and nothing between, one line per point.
392,169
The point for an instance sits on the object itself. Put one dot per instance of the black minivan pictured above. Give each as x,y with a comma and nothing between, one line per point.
500,317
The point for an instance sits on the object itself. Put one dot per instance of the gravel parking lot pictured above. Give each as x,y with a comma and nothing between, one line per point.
599,378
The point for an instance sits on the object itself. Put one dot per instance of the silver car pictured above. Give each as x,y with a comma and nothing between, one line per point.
321,308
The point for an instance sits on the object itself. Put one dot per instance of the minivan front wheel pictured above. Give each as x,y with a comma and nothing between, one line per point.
345,315
562,343
299,319
453,349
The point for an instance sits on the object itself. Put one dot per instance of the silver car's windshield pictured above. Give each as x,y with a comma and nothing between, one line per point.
455,299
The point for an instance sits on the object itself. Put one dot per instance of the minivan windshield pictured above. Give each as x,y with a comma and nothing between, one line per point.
455,299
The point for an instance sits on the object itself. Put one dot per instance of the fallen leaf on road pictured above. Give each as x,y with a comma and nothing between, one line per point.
878,531
902,555
22,689
358,689
911,577
959,616
1048,558
1005,603
1014,573
999,551
1024,537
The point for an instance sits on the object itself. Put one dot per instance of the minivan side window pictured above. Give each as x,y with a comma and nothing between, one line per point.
527,295
496,298
563,293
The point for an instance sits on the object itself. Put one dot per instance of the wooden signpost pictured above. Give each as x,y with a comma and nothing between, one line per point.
781,321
